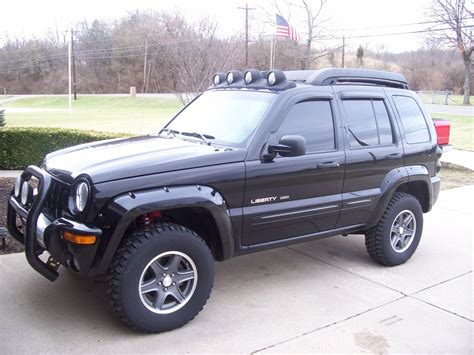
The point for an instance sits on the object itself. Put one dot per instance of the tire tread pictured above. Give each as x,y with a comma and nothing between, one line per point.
129,247
374,236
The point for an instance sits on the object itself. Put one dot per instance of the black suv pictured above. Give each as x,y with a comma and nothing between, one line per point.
259,160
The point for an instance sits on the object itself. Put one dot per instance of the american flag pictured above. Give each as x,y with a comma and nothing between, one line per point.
284,29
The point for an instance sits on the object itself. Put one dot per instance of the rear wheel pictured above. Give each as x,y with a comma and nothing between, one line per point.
161,278
397,234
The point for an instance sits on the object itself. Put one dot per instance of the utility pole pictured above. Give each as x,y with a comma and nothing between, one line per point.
343,49
69,61
144,66
247,9
73,60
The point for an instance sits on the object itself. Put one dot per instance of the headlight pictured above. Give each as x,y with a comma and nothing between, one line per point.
81,196
26,192
17,186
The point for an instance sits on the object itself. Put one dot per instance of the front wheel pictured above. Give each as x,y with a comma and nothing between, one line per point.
161,278
397,234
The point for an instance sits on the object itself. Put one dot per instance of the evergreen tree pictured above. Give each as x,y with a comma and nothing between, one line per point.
360,56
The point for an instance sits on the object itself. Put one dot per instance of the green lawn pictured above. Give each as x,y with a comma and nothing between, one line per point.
454,100
141,115
101,113
462,130
458,99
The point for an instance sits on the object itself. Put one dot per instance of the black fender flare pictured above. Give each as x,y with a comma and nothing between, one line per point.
124,208
392,181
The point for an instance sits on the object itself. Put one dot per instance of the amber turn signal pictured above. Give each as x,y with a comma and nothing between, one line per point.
79,239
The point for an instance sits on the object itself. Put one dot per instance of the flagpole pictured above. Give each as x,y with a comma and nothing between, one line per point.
274,51
271,51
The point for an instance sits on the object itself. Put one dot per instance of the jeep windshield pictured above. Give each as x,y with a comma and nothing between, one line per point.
227,117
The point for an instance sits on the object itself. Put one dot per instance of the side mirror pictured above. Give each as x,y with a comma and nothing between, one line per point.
289,146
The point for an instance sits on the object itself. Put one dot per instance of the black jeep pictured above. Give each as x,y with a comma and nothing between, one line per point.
259,160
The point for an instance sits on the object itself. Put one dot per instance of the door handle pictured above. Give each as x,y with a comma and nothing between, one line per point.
329,164
393,156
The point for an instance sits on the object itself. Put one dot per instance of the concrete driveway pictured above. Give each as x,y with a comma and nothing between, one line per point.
322,296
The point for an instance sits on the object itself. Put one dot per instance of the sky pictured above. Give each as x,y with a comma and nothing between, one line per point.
343,17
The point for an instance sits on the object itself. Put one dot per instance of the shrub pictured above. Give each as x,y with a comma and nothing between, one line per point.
23,146
3,121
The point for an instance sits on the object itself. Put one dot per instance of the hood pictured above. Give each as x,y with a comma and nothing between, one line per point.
123,158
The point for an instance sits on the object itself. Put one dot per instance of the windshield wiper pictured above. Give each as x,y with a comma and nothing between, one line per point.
170,131
203,137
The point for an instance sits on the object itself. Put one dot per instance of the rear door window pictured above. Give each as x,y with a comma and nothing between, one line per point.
368,123
413,121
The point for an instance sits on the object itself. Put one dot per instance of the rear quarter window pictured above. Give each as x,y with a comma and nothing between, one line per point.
413,121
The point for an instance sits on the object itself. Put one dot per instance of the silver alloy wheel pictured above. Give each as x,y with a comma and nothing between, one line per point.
403,231
168,282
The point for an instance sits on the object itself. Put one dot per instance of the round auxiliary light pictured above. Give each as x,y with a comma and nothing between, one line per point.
218,78
230,78
248,77
234,76
25,193
81,197
275,77
251,76
17,186
271,78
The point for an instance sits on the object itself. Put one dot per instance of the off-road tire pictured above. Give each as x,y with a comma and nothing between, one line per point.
136,251
377,239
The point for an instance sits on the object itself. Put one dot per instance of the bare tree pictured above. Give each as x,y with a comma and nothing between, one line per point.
313,22
455,31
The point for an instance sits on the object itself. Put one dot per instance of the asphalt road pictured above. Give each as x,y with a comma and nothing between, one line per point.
322,296
451,110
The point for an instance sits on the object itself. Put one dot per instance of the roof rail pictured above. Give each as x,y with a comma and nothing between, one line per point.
334,76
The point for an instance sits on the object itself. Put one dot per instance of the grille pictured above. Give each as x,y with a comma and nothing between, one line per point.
57,200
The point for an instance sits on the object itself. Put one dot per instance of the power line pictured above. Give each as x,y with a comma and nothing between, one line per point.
386,26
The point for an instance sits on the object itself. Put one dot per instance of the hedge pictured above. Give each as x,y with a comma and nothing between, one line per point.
23,146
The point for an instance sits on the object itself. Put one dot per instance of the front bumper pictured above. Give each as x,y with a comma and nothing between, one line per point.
39,233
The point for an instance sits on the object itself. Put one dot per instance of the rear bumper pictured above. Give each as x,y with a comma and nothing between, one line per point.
38,233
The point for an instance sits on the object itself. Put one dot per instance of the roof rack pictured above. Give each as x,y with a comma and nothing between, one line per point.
334,76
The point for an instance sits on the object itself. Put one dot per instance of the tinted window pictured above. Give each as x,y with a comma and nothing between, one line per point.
383,122
412,118
368,123
312,120
361,121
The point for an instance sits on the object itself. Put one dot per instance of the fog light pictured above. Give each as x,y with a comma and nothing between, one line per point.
79,239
